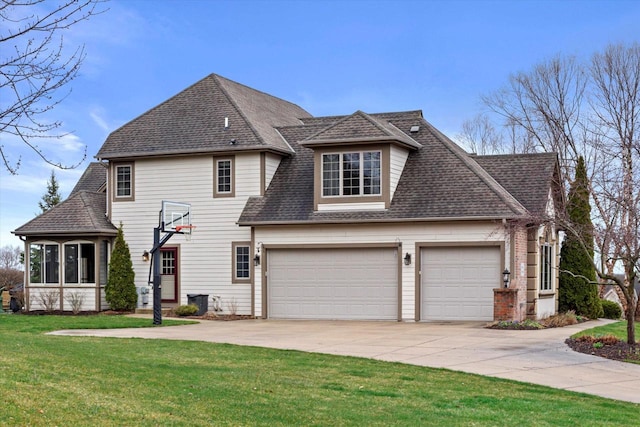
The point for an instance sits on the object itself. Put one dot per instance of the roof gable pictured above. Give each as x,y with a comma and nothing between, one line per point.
205,117
359,128
529,177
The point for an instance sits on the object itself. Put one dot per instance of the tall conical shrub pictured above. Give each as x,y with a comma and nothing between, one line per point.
579,291
121,289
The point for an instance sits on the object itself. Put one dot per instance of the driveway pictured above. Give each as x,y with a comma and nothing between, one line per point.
538,357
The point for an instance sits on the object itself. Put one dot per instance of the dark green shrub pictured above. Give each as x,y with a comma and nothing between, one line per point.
611,310
120,291
578,290
186,310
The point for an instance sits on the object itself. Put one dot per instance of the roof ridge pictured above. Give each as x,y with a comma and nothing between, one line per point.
89,207
219,77
236,107
480,172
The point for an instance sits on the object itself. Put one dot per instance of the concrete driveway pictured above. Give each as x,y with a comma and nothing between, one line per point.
538,357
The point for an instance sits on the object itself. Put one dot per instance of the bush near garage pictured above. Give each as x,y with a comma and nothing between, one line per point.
611,310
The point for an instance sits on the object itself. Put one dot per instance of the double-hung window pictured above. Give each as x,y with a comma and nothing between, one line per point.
546,262
224,177
241,262
123,180
351,174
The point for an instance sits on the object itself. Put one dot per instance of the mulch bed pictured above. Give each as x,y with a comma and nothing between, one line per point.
618,351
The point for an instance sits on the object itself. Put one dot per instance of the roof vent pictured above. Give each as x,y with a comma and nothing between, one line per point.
226,122
415,129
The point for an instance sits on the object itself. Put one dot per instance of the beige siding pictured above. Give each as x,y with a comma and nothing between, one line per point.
272,161
398,159
406,234
205,261
86,295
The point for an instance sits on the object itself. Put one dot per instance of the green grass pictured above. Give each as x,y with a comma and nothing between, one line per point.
56,380
618,329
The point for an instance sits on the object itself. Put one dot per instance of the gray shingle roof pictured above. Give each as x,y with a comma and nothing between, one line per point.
529,177
81,214
193,121
93,179
359,127
440,181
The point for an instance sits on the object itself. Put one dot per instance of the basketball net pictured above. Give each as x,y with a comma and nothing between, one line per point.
186,230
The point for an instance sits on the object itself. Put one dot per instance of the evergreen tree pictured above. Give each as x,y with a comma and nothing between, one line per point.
52,196
121,289
578,289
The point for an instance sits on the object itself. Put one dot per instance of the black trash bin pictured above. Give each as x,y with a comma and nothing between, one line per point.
201,300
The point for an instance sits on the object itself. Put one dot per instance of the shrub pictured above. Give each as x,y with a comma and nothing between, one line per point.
49,299
561,319
75,299
601,339
611,310
120,291
186,310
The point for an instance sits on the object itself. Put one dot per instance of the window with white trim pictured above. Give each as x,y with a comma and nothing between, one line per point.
80,263
351,174
124,181
44,263
546,263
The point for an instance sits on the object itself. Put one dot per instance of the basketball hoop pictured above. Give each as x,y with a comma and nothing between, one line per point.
186,230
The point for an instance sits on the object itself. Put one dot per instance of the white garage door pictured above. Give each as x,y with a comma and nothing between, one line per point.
354,284
458,283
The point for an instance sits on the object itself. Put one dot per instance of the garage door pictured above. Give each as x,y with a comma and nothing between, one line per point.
354,284
457,283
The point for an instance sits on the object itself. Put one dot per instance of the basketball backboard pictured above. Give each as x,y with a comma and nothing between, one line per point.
175,214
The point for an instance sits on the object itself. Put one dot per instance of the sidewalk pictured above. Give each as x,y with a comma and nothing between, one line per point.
538,357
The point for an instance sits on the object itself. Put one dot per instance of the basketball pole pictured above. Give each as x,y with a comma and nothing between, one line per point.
157,286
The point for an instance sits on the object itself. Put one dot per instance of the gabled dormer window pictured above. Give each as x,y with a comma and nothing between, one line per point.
351,174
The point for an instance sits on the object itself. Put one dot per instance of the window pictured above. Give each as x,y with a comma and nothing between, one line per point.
123,182
351,174
44,263
241,262
80,264
168,266
546,261
224,178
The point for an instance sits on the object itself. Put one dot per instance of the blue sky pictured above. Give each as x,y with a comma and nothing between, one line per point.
329,57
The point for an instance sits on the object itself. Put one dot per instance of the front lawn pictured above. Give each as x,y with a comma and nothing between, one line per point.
618,329
55,380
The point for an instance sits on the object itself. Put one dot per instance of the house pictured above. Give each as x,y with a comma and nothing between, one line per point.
364,216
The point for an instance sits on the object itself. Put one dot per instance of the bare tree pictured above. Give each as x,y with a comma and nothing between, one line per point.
34,67
11,273
480,136
10,257
544,107
616,107
591,110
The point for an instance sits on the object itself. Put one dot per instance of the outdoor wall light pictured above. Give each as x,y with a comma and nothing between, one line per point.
505,277
146,256
256,260
407,259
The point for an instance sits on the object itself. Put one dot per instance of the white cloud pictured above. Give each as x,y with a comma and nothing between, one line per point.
97,115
